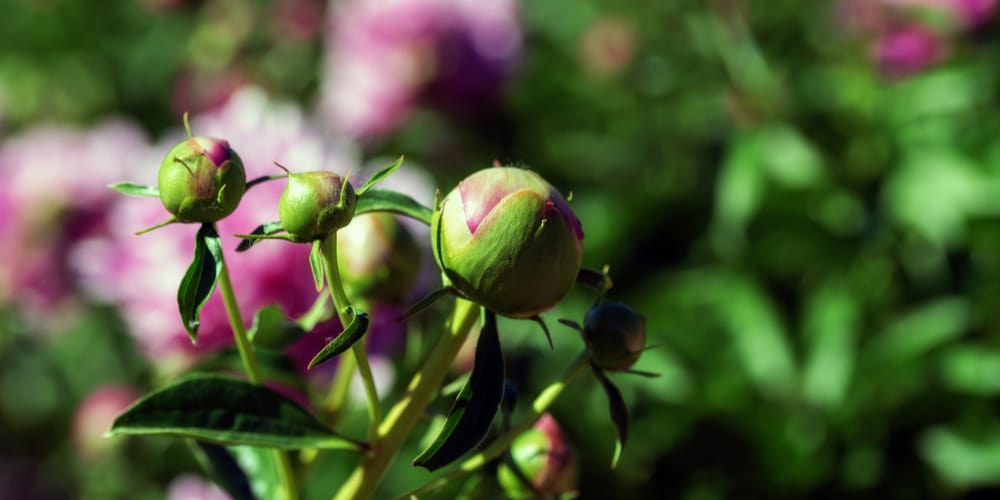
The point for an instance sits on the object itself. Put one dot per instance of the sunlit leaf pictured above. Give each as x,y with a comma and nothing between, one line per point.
383,200
224,469
379,176
316,264
133,189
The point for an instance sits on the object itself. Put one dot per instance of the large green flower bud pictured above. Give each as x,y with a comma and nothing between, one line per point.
544,460
201,180
315,204
616,335
506,239
378,257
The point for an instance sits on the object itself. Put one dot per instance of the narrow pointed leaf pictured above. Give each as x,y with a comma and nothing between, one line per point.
384,200
545,328
572,324
617,410
223,468
346,339
199,280
380,175
426,302
598,280
265,229
228,411
273,330
643,373
133,189
316,264
472,414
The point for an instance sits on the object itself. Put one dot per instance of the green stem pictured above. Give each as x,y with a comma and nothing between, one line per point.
496,448
337,397
249,357
343,306
403,417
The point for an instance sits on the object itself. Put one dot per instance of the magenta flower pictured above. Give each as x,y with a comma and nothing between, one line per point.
384,58
907,51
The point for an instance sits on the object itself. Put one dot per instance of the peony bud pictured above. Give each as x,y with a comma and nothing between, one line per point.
378,257
508,240
544,458
315,204
616,335
201,180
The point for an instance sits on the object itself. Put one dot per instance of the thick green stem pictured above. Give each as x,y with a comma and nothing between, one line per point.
343,306
541,404
249,357
403,417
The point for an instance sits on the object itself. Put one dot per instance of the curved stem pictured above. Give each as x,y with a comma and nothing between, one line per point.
403,417
249,357
340,302
538,407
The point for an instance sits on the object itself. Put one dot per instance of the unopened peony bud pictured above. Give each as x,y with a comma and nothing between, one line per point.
201,180
506,239
378,257
544,458
616,335
315,204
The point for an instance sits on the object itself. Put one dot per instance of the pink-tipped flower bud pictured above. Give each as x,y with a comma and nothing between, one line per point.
315,204
201,180
508,240
378,257
544,458
616,335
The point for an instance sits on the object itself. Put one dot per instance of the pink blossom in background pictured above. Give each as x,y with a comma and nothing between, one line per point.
55,193
192,487
907,51
383,58
94,416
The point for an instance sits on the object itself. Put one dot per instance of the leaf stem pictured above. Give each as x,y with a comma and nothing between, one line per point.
249,357
403,417
538,407
343,307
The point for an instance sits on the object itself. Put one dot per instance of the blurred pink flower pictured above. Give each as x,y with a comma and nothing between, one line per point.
383,57
94,417
907,51
192,487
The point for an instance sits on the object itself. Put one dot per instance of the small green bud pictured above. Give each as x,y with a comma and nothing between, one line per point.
616,335
315,204
545,460
378,257
506,239
201,180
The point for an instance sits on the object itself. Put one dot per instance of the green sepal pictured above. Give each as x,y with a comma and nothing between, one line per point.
426,302
199,280
260,232
471,417
225,410
380,175
384,200
346,339
273,330
133,189
316,264
617,410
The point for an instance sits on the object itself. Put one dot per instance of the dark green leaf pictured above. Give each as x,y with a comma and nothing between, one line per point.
265,229
426,302
316,264
273,330
199,280
572,324
472,414
384,200
228,411
224,469
617,410
133,189
381,174
346,339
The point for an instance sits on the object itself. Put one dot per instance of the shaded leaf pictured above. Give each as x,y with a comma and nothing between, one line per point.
199,280
380,175
273,330
265,229
617,410
384,200
599,280
133,189
346,339
225,471
472,414
426,302
316,264
228,411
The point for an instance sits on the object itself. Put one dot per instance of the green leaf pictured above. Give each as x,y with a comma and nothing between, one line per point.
228,411
380,175
617,410
472,414
133,189
383,200
265,229
316,264
224,469
346,339
199,280
273,330
426,302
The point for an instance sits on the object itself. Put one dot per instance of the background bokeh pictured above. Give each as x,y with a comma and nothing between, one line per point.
802,198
